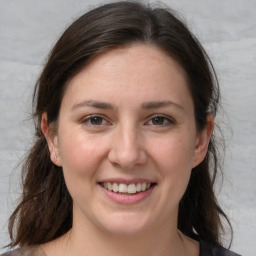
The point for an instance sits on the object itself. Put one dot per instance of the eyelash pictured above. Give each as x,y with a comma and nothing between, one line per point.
166,120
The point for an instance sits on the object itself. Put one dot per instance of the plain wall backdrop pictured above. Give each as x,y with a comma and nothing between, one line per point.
227,29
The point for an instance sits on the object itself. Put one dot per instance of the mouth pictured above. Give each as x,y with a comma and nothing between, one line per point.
127,189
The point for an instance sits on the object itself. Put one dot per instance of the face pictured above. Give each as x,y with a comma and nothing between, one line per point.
127,140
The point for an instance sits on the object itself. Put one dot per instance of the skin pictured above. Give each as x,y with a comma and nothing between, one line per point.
127,142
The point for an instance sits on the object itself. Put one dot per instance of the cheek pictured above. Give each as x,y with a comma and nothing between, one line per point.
81,158
174,159
80,154
176,151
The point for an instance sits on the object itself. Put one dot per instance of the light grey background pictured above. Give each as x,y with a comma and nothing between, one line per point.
226,28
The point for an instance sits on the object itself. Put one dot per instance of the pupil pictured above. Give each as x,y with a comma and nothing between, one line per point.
158,120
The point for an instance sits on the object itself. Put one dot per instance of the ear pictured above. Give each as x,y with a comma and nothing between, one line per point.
202,141
52,140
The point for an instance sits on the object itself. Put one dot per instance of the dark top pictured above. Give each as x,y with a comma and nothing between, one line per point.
206,249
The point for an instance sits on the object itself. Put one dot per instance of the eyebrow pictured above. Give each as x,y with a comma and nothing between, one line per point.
93,103
160,104
146,105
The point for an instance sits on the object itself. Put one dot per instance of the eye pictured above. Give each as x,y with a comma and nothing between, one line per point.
160,121
94,121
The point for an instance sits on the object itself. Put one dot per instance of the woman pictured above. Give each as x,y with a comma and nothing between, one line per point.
124,159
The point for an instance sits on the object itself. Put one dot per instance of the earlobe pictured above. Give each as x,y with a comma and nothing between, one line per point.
52,140
202,141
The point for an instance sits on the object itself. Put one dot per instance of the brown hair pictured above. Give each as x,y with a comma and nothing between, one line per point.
45,210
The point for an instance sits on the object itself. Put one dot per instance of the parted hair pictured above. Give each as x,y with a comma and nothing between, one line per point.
44,211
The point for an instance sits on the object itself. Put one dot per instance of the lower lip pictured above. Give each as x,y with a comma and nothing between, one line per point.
126,198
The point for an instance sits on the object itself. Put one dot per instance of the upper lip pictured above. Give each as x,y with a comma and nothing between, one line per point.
127,181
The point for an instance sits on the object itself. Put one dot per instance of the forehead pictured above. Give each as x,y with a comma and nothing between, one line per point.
138,71
143,57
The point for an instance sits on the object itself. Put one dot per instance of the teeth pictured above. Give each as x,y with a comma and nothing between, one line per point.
123,188
115,187
109,186
131,188
138,187
144,186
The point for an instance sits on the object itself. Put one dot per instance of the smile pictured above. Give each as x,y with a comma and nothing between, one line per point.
122,188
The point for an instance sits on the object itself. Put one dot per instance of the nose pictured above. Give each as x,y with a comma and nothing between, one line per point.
127,150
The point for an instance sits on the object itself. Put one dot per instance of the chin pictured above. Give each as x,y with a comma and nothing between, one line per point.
125,224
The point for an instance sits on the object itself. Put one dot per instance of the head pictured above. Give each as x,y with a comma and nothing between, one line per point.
116,26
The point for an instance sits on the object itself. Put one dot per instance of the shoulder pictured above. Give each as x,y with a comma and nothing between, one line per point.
25,251
207,249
